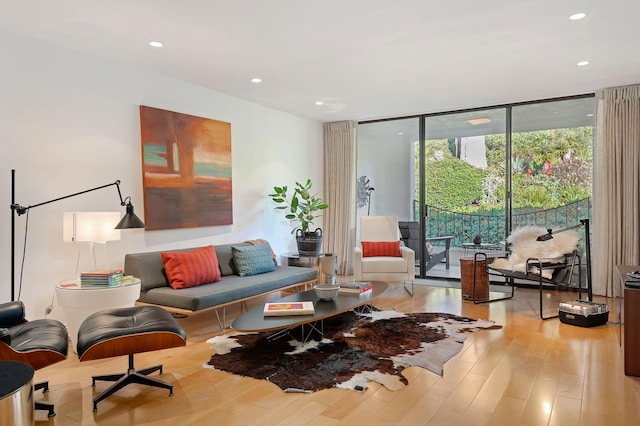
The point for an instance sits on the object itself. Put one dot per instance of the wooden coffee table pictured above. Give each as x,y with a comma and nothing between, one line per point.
255,321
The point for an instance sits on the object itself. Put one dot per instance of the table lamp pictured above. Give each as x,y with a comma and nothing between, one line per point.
91,228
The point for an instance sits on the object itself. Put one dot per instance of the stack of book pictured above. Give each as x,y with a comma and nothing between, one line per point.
355,287
108,278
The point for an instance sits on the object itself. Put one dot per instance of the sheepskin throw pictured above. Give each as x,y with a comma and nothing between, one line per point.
524,245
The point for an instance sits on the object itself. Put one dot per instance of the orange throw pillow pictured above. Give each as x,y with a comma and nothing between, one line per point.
381,248
191,268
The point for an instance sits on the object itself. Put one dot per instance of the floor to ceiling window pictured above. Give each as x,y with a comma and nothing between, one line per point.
474,175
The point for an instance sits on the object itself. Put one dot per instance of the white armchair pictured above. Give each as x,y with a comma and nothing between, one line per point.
380,256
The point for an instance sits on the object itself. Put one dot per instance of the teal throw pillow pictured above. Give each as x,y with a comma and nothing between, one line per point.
253,260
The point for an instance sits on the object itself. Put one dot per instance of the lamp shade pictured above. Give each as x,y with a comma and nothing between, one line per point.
130,220
94,227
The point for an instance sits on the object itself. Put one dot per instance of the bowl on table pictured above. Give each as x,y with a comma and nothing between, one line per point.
326,291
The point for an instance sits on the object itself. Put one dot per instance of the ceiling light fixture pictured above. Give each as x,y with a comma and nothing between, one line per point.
319,103
477,121
577,16
156,43
582,63
256,80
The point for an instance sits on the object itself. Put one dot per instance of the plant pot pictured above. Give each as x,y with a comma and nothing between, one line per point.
309,243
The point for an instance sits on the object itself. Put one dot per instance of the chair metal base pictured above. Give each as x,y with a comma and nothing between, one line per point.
482,258
131,376
41,405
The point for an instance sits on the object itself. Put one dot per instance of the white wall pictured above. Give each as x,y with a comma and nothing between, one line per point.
71,122
389,166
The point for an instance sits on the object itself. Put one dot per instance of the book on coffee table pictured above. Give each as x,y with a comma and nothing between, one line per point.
355,287
288,308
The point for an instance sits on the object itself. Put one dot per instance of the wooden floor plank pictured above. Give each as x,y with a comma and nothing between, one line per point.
530,372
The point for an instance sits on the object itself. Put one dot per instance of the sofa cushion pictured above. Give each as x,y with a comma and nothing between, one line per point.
381,248
230,289
253,260
192,268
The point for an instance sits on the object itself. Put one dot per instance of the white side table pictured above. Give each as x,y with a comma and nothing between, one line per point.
79,302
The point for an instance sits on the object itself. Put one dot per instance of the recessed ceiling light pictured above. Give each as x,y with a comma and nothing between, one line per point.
156,43
256,80
477,121
577,16
582,63
319,103
590,115
400,133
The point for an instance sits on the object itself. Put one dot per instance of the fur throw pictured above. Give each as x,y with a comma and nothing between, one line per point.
524,246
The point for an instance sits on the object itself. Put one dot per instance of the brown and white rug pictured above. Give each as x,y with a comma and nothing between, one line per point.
355,349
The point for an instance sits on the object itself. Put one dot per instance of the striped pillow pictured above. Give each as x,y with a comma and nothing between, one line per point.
191,268
381,248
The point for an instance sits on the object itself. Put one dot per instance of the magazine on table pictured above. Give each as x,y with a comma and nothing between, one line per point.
288,308
355,287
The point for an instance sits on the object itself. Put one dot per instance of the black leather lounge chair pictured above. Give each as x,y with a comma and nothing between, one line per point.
39,343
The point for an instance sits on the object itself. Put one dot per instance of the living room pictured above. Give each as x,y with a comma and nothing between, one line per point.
71,122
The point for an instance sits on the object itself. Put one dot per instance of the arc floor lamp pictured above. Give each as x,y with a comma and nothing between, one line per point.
129,221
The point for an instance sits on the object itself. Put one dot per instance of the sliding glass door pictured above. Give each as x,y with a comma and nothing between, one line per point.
460,182
464,181
551,162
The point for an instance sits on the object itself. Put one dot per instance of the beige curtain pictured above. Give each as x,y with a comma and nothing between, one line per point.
616,193
340,191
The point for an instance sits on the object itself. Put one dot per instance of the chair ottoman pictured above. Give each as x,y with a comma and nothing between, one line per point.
128,331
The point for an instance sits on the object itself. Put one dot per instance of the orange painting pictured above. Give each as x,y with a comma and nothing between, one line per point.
186,170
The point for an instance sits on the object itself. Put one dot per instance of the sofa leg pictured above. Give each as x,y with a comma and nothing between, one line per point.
222,322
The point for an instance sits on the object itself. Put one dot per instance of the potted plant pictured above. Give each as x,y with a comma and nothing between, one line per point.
301,207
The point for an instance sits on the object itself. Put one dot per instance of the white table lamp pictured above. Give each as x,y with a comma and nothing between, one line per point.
90,227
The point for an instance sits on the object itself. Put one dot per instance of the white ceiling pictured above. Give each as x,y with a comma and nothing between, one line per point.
364,59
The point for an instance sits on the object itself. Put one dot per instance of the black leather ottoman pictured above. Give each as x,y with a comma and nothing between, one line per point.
128,331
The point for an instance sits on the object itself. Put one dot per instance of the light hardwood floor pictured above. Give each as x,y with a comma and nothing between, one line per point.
530,372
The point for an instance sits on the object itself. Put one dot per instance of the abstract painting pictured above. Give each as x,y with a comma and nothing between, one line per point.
186,170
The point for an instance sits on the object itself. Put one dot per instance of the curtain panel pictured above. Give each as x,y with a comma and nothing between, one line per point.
616,192
340,191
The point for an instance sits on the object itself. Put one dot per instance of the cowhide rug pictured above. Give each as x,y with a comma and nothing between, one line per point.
354,350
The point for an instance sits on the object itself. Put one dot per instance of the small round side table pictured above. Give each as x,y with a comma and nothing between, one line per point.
79,302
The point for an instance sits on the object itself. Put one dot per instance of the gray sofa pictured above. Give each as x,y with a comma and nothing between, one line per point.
232,288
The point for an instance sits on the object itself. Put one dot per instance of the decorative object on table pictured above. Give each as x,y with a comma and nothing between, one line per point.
355,348
294,308
326,292
301,208
477,240
128,221
186,170
356,287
